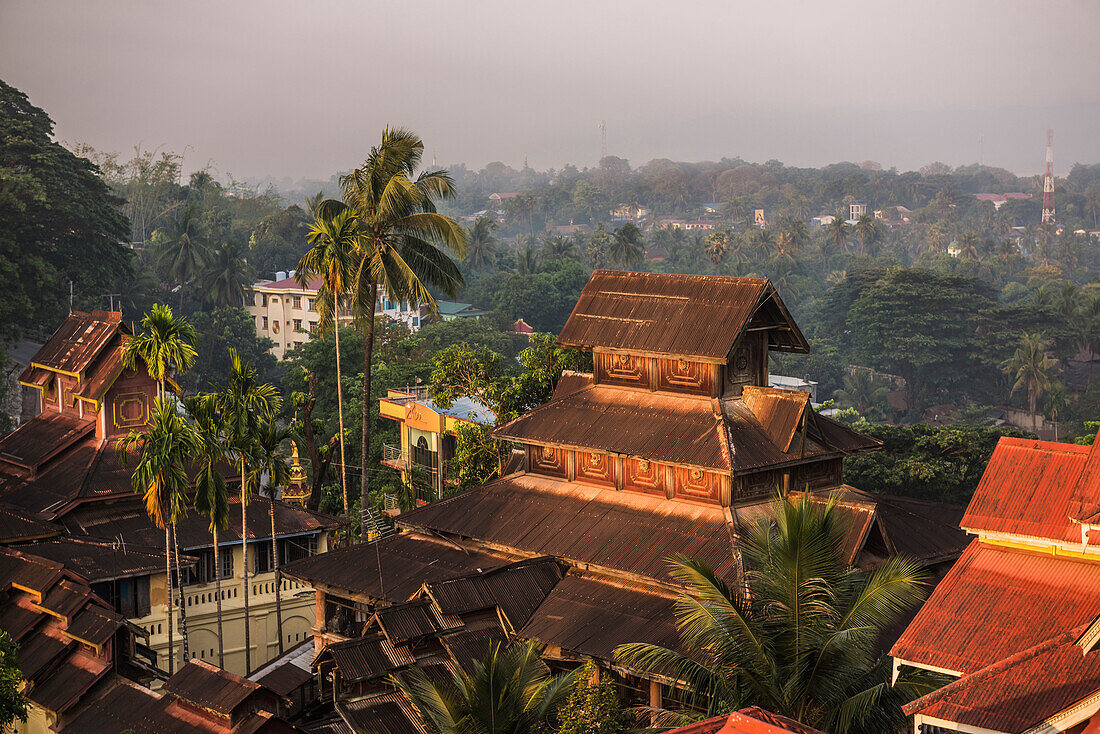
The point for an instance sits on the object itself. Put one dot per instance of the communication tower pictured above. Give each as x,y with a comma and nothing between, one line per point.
1048,181
602,125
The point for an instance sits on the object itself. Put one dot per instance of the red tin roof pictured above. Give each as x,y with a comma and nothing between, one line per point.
997,601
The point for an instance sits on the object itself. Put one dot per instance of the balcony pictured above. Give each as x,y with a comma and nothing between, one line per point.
394,457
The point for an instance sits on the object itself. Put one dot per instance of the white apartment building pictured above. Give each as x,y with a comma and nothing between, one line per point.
286,312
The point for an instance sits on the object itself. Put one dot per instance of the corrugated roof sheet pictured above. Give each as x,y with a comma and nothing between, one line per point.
619,530
997,601
657,426
473,645
413,620
778,411
285,679
752,720
78,341
387,713
1027,489
27,571
97,560
210,687
372,656
517,589
66,683
16,526
102,374
1019,692
698,316
66,598
591,617
43,437
94,625
407,562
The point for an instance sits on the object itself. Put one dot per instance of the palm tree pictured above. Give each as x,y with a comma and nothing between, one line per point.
227,276
838,232
527,261
1033,370
717,245
271,462
243,404
163,451
167,343
211,493
511,691
403,246
627,245
334,236
559,248
867,231
863,392
482,247
797,634
181,251
968,246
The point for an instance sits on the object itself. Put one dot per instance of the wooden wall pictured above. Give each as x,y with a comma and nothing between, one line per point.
662,374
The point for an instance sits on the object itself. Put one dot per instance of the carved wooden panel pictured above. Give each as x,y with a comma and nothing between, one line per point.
747,364
762,485
546,460
685,376
622,369
129,410
594,468
696,484
816,476
643,475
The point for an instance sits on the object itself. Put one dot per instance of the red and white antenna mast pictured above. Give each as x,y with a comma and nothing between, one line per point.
1048,181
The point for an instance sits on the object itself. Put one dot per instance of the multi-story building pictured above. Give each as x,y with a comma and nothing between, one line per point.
1015,622
285,311
670,446
62,467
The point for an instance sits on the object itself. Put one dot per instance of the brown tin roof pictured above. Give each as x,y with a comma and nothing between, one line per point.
42,438
699,316
211,688
363,658
77,342
517,589
16,526
413,620
100,560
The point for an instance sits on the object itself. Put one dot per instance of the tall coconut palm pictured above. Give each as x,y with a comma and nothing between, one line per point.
558,248
269,461
243,404
181,249
482,247
1033,370
863,392
627,245
211,492
334,236
717,245
838,231
511,691
165,344
797,634
163,452
227,276
405,247
867,232
968,246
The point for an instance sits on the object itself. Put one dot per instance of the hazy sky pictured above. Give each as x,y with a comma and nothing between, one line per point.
303,88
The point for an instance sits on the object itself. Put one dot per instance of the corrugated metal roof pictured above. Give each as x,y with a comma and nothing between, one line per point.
210,687
16,526
66,683
778,411
656,426
517,589
94,625
285,679
386,713
619,530
591,617
103,374
407,562
997,601
1028,488
413,620
1021,691
473,645
27,571
698,316
372,656
65,598
97,560
42,437
77,342
752,720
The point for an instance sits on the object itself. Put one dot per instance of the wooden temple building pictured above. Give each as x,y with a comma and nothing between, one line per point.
1016,621
670,446
65,499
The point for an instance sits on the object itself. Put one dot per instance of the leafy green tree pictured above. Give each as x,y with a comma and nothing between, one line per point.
558,247
217,331
862,391
404,245
182,251
227,277
798,636
482,245
838,232
13,707
165,344
591,707
59,223
1032,368
163,453
511,691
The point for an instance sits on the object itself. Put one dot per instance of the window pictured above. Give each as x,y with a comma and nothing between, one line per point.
297,324
293,549
297,301
263,299
313,304
261,554
203,572
312,326
297,344
129,596
265,323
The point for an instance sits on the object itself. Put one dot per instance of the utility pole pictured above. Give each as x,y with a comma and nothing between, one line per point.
1048,181
602,125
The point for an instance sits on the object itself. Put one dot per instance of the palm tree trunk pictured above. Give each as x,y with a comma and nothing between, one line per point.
183,605
275,562
244,574
340,414
368,353
218,597
170,600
